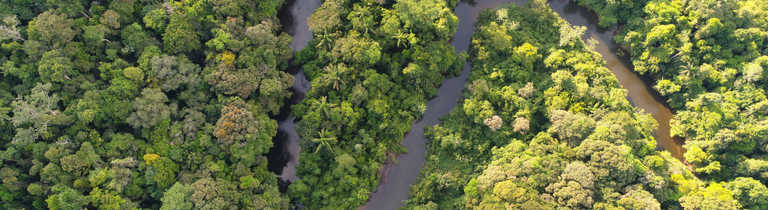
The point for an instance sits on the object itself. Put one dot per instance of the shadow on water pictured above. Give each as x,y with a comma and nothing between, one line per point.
395,184
284,155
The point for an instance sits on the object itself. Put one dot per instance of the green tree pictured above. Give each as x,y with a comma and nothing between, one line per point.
180,35
33,113
55,67
238,126
358,50
714,196
751,193
151,109
177,198
66,198
52,28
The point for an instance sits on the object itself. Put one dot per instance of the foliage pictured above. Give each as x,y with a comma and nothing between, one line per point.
130,104
372,65
707,58
575,141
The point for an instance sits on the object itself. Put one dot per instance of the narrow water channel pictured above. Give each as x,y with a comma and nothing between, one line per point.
395,184
398,178
640,94
284,156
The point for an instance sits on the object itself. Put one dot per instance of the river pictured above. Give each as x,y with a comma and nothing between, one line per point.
397,179
640,94
284,156
395,184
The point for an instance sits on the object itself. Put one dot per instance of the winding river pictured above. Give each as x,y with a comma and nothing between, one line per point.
395,184
284,156
639,93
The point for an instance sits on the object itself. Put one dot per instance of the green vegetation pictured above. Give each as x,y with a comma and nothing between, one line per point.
140,104
544,125
612,12
373,65
708,59
136,104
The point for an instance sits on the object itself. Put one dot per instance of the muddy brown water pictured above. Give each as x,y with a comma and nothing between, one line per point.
639,92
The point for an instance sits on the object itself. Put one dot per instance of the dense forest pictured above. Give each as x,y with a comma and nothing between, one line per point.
373,65
138,104
707,58
544,125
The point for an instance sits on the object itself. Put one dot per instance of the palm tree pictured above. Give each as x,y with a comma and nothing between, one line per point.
335,73
402,38
322,104
326,40
325,140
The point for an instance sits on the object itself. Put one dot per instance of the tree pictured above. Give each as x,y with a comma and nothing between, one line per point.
177,198
527,55
358,50
84,159
172,71
750,193
136,39
33,113
105,199
70,7
161,170
52,28
527,91
110,18
180,35
362,18
151,109
714,196
571,127
65,198
521,125
208,193
494,122
238,126
637,198
125,10
55,67
571,195
569,35
327,17
325,140
8,29
429,20
156,19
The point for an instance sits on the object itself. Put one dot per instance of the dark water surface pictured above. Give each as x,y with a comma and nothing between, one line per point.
395,184
284,156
